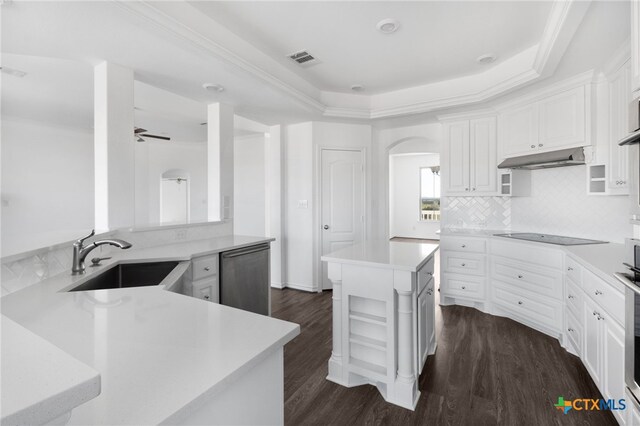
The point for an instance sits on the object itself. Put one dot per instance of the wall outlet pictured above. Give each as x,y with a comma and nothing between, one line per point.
181,234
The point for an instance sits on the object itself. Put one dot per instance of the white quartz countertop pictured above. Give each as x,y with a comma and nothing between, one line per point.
159,354
40,382
386,254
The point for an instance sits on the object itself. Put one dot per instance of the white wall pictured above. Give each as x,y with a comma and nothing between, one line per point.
47,184
404,196
303,143
155,158
299,221
249,185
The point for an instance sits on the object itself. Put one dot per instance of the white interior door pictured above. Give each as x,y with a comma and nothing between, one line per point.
342,202
174,201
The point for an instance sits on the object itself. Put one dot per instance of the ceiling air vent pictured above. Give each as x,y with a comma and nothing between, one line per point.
303,58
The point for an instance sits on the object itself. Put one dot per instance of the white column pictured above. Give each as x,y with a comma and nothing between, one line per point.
405,336
114,149
274,216
336,371
220,161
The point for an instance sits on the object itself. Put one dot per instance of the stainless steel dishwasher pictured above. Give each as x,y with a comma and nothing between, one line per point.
245,279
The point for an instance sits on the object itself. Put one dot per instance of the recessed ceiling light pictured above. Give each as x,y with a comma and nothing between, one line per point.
388,26
213,87
357,87
486,59
13,72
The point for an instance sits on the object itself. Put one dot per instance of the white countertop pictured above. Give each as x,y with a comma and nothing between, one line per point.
386,254
159,353
45,382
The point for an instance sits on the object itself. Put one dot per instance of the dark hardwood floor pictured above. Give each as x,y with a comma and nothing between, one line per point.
487,370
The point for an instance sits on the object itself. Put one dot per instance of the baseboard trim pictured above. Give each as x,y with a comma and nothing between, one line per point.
300,287
278,285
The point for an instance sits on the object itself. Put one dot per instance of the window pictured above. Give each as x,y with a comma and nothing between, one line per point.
430,193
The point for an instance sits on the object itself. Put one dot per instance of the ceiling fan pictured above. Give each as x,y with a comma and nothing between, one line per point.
141,133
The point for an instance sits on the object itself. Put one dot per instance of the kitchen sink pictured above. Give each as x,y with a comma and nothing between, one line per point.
129,275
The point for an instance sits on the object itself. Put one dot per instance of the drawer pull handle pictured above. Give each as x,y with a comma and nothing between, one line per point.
206,268
595,313
569,268
598,292
463,287
463,264
519,302
519,276
570,330
464,245
571,296
533,146
206,297
430,273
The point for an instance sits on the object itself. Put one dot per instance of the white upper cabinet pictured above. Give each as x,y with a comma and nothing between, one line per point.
619,99
635,45
562,120
483,155
457,158
546,123
470,157
519,130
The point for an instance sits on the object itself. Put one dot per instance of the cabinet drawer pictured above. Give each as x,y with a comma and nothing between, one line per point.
530,277
464,286
539,310
608,298
463,244
207,289
575,298
528,252
463,263
203,267
574,270
574,333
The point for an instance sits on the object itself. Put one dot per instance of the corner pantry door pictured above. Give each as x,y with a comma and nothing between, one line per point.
342,202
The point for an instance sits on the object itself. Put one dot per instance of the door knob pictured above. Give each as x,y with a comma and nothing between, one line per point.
326,227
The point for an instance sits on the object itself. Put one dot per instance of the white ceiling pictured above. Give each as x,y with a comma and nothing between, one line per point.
241,45
436,40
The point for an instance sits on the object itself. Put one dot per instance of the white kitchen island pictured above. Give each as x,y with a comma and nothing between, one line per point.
383,316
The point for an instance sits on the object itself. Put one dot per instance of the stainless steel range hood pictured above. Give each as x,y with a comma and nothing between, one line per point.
631,139
546,160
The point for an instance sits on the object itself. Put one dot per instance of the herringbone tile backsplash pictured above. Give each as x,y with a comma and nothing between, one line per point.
559,204
476,212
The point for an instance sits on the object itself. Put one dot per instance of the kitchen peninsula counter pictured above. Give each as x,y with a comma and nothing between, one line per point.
162,357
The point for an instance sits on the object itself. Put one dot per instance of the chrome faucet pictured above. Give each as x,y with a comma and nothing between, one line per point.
80,252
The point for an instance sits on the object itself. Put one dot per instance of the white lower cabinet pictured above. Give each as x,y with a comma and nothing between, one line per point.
613,363
426,324
202,279
593,339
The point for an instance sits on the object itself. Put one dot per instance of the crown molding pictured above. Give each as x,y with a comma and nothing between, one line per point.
564,19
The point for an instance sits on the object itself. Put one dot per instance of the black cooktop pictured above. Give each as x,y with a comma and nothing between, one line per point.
550,239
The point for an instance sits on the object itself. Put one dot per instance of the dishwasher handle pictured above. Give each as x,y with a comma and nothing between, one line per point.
243,251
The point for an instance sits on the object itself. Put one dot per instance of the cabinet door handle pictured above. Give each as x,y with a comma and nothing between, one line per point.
598,292
206,268
519,276
463,264
473,189
570,330
595,313
466,189
206,297
464,245
533,146
519,302
570,296
463,287
541,145
569,268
